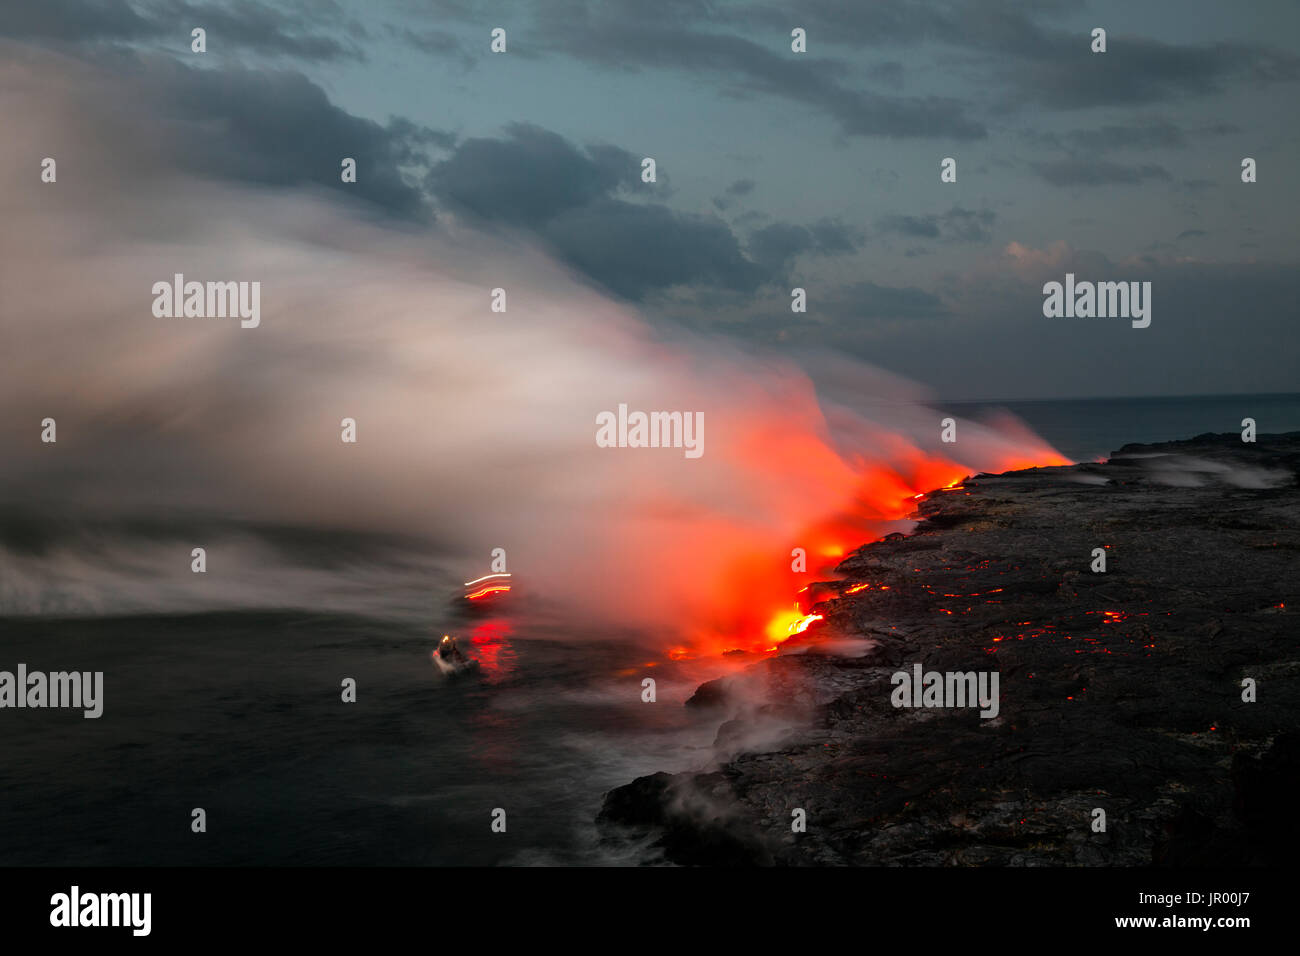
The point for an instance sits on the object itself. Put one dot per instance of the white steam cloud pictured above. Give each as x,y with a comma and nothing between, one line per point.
476,430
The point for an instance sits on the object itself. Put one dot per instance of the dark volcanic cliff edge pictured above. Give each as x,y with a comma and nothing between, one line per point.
1119,690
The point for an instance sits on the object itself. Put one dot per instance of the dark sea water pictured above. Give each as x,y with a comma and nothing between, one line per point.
239,713
1088,429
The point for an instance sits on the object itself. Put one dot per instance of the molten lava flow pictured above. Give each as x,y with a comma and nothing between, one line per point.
711,556
887,493
786,624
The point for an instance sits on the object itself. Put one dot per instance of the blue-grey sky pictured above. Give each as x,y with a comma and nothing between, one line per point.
779,169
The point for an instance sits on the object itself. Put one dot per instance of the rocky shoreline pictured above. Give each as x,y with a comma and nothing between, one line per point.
1120,691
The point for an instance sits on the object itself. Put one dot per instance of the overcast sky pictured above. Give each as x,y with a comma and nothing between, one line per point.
778,169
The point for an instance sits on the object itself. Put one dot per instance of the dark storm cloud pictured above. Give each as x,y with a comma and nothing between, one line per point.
964,225
1056,67
1024,49
74,20
1087,172
752,68
278,128
635,249
535,179
701,38
1026,56
775,246
265,29
1035,62
243,24
1192,234
1140,71
530,176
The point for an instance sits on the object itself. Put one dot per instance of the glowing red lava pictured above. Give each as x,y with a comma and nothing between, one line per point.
887,494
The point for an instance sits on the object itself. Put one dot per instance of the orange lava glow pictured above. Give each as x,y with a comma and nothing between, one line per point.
793,492
786,624
885,494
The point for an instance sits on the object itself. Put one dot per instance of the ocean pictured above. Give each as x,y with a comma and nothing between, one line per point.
239,713
1089,429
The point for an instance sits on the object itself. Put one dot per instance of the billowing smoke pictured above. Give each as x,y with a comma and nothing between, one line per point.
475,429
